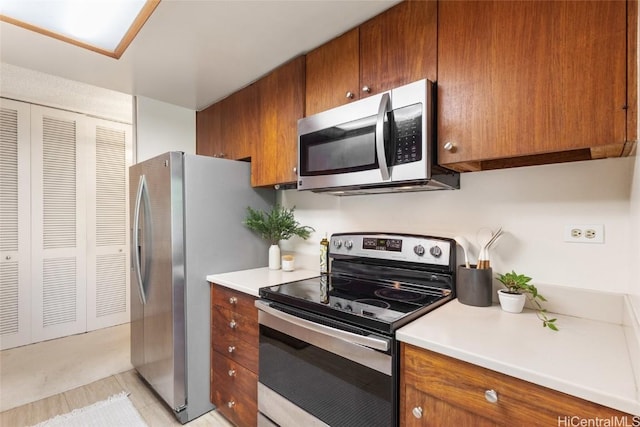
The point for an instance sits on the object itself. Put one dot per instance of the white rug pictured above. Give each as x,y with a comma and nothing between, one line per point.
116,411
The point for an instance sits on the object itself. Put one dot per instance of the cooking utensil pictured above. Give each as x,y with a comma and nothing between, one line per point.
483,258
464,244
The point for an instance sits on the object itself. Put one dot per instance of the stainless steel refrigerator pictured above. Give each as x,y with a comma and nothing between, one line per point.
186,218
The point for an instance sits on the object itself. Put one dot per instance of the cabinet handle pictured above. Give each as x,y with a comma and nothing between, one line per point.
366,89
231,404
449,146
232,372
233,324
8,257
295,170
349,94
491,396
233,300
417,412
231,349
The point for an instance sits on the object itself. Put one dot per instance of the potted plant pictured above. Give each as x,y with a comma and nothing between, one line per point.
512,298
278,224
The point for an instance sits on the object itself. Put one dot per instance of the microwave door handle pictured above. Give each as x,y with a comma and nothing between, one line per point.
383,108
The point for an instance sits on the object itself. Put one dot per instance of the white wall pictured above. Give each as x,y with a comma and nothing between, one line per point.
162,127
533,204
35,87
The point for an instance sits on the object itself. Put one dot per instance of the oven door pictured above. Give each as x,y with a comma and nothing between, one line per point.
313,374
380,139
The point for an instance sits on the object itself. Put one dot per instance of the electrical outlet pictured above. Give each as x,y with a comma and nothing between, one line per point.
584,233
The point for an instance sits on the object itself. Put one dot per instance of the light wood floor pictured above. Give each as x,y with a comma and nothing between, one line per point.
154,412
54,377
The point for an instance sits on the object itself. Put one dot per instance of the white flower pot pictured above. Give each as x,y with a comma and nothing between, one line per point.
274,257
512,303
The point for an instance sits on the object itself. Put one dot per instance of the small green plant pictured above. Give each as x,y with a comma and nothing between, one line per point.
278,224
519,284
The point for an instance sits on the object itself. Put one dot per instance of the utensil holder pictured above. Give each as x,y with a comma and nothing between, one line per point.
474,286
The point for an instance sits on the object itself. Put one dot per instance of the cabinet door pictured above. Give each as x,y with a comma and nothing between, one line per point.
209,131
464,386
422,409
333,73
530,78
399,47
281,96
240,125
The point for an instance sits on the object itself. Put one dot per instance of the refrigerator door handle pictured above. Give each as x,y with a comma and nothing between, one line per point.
142,185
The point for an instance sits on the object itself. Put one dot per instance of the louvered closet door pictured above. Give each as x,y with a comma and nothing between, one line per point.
107,227
15,283
58,224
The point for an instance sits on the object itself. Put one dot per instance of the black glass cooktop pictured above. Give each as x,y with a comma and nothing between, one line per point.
380,305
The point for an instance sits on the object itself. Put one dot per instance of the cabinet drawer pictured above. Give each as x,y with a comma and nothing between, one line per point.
234,301
464,385
234,390
234,326
237,350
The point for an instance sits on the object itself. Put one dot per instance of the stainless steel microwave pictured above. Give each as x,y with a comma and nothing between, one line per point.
379,144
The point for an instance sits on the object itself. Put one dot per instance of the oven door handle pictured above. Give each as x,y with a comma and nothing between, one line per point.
367,341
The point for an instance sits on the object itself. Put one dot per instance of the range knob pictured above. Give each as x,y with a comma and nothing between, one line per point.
419,250
348,244
338,306
435,251
337,244
348,308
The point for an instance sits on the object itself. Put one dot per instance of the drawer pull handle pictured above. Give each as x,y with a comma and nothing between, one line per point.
491,396
233,300
231,348
449,146
233,324
349,94
231,404
417,412
232,372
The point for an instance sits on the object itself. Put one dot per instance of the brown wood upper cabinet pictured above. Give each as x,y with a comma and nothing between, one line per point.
281,104
208,131
534,82
394,48
228,128
240,122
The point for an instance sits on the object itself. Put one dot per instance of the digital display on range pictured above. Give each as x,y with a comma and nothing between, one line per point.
393,245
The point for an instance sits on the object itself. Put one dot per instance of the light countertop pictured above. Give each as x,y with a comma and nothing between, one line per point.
587,358
249,281
590,359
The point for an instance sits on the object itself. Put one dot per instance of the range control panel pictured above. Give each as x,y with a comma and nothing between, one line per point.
400,247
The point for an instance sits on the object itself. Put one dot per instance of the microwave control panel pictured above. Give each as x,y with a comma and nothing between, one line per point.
407,134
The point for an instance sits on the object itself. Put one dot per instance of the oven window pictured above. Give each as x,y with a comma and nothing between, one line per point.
335,390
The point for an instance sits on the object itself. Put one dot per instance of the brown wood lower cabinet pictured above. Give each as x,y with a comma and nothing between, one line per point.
437,390
234,355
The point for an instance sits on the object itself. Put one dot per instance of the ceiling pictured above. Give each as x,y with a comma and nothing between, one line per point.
192,53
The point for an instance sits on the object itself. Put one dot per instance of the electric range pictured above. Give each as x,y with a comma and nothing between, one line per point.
329,341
